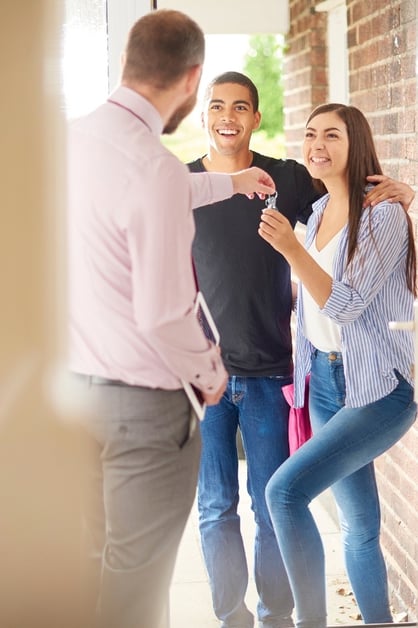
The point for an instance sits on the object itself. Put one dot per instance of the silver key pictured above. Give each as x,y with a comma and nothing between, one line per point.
271,201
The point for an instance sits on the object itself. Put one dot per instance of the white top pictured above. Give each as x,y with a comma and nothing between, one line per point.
365,297
318,328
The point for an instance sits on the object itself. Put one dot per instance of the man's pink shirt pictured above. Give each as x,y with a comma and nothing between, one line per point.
131,227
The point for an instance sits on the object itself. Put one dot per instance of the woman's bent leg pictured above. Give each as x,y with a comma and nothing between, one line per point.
359,514
347,442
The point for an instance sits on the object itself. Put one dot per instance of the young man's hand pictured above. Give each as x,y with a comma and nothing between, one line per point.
388,189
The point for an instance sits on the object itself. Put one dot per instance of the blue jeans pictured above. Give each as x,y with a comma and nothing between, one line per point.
340,455
256,405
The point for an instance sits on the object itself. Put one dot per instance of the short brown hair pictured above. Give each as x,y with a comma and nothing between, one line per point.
161,47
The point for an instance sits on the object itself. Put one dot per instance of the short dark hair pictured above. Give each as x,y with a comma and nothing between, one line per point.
161,47
239,79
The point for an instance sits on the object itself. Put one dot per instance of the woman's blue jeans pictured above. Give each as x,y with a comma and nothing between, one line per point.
340,455
256,405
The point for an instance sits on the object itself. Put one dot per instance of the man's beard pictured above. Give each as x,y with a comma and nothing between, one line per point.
179,115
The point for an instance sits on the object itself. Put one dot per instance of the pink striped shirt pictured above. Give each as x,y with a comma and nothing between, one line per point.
131,284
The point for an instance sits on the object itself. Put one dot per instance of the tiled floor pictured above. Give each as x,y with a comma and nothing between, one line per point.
190,600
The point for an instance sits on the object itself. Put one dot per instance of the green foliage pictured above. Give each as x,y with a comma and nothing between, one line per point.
263,64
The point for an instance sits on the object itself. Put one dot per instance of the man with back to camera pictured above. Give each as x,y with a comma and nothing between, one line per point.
248,290
134,335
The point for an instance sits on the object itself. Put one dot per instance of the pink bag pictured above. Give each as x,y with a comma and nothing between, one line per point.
299,422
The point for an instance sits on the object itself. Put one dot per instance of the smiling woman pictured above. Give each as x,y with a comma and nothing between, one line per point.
325,153
357,272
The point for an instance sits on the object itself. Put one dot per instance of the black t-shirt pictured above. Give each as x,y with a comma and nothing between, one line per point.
246,282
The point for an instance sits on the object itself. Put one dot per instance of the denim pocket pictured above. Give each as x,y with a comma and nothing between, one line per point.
337,381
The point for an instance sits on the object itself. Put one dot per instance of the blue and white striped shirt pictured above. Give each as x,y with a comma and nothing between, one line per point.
363,299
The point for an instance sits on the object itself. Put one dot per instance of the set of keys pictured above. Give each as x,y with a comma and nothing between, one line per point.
271,201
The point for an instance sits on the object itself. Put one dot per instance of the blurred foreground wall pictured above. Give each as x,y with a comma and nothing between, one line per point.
42,457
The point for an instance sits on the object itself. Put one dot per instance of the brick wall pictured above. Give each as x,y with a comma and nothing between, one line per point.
382,41
304,70
382,50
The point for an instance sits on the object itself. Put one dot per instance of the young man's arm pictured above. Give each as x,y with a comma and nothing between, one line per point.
387,189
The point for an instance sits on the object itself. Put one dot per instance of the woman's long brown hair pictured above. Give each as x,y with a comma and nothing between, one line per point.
363,161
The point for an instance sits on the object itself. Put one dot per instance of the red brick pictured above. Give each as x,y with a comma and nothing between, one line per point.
382,49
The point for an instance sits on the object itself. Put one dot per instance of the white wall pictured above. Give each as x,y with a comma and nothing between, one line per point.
215,17
337,50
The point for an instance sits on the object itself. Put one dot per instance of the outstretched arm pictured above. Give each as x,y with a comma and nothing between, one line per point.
210,187
388,189
253,181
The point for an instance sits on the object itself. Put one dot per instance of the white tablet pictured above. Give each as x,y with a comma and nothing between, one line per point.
211,332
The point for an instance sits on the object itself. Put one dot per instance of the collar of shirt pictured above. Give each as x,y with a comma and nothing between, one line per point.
318,206
313,223
138,106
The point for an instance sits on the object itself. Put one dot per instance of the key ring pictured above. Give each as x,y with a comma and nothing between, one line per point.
271,201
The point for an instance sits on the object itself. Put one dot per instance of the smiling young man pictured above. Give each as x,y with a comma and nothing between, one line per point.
247,286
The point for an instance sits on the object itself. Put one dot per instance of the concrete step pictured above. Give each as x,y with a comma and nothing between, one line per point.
190,598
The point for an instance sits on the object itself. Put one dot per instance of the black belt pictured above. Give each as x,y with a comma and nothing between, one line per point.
102,381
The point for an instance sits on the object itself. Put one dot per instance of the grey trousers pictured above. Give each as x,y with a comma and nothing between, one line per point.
145,449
